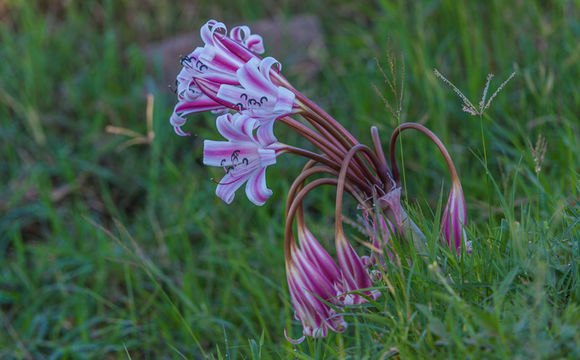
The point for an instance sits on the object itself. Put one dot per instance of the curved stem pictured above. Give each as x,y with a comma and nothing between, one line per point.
299,181
326,129
331,150
324,115
288,235
311,155
322,124
328,162
431,136
383,168
342,182
326,124
319,141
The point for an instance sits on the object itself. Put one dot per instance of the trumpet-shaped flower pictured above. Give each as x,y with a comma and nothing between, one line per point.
217,63
454,217
244,157
257,93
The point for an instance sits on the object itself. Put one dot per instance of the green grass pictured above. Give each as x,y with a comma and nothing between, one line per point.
127,253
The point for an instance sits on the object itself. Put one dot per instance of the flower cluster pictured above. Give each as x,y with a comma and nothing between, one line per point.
249,95
228,74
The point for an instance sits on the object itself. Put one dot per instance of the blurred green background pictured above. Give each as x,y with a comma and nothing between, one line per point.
111,249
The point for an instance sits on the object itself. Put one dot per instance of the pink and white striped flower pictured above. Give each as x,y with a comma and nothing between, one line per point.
315,315
314,281
454,217
215,63
355,273
244,157
257,94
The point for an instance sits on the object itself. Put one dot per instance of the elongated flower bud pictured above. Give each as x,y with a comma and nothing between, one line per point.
454,217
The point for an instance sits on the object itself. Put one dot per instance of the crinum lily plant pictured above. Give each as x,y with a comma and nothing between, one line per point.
251,97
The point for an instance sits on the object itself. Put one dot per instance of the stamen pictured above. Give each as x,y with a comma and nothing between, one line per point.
293,341
235,154
222,183
184,59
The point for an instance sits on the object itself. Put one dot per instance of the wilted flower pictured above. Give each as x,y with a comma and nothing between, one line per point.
380,230
244,157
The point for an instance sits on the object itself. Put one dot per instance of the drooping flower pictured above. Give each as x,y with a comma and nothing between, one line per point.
315,254
314,281
244,157
355,273
454,217
215,63
315,315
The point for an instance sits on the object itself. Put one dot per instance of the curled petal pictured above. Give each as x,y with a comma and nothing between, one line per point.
243,158
284,101
239,33
265,133
235,128
266,65
210,28
256,188
255,43
243,35
219,61
177,122
226,189
250,77
234,95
